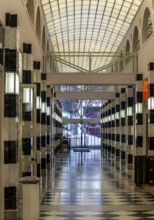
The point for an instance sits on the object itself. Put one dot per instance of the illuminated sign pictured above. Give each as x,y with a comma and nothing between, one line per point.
145,89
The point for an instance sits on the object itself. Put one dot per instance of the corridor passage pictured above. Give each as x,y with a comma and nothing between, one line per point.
85,186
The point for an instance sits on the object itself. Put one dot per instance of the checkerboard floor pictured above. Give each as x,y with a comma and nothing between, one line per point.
85,186
120,215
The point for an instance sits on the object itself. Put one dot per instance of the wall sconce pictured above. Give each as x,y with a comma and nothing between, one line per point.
117,115
11,83
139,108
151,103
122,113
43,107
38,102
129,111
112,117
105,119
48,111
109,118
27,96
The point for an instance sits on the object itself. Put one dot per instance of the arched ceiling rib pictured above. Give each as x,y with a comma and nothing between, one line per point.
88,25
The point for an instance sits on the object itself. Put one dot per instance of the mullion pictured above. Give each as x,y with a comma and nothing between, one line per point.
67,27
80,29
94,23
86,29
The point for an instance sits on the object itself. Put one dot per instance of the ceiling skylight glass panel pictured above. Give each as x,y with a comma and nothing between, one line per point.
46,7
84,25
45,2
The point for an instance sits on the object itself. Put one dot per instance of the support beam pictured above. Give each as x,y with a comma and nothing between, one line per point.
84,121
90,79
84,95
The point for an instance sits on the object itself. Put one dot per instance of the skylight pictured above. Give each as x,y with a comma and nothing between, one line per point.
88,26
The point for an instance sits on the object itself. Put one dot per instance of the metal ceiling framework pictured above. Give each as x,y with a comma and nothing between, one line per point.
80,26
85,35
109,60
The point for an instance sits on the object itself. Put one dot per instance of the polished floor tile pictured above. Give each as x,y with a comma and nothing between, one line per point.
86,186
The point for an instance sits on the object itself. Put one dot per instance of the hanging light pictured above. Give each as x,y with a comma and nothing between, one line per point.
27,96
138,108
129,111
38,102
11,83
151,103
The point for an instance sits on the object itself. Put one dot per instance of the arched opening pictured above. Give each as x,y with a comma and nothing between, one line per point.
38,23
116,66
147,28
48,69
47,45
30,8
152,5
127,52
136,40
127,46
48,58
121,63
43,39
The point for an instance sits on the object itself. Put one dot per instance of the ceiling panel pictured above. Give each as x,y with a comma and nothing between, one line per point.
88,26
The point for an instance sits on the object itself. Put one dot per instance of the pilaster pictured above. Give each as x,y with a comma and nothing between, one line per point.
140,134
10,120
117,125
123,127
130,130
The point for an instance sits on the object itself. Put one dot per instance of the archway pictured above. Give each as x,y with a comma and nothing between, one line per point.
43,39
38,23
30,8
147,28
136,40
127,51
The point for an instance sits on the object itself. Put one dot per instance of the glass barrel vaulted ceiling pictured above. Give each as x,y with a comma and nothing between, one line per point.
81,26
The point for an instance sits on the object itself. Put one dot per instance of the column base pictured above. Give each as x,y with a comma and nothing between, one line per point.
43,172
118,162
123,162
11,214
130,166
130,173
113,159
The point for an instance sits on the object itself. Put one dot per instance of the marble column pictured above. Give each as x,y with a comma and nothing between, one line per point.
140,135
123,127
117,128
150,126
10,117
130,131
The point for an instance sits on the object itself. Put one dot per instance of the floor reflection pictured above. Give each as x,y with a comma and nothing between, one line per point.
87,186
